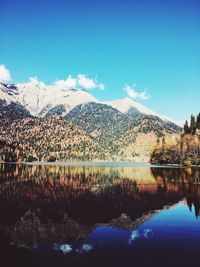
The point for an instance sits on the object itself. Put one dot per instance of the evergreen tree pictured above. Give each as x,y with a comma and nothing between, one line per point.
192,124
198,121
163,143
186,128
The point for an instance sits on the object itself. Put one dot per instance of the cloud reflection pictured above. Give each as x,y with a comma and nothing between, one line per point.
136,234
65,248
84,248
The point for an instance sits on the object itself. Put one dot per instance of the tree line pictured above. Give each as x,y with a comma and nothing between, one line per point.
183,151
190,128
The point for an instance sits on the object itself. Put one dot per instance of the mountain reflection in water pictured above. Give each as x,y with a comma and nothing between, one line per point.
64,206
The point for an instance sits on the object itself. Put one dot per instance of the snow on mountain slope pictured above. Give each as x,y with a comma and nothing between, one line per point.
40,99
8,93
125,104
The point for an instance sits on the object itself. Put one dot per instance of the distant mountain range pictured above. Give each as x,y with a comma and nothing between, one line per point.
120,129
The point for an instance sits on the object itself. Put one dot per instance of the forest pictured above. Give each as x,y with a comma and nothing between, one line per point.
182,151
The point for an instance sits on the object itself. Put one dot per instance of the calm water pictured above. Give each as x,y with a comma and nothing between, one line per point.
99,216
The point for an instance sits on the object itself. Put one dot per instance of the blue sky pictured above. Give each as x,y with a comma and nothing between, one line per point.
149,45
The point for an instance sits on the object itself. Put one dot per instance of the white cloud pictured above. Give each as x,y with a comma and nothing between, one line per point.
88,83
101,86
4,74
81,82
32,83
131,92
68,83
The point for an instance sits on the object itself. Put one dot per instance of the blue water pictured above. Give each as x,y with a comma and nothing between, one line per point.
176,226
99,216
170,238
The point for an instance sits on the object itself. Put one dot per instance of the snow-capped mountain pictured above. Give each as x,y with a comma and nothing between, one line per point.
126,105
41,100
8,93
121,126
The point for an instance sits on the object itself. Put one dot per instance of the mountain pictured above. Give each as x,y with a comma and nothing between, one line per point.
135,143
50,139
128,106
8,93
40,99
127,136
12,110
10,107
124,127
99,120
125,104
45,100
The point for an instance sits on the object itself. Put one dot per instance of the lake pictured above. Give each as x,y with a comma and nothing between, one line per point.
99,215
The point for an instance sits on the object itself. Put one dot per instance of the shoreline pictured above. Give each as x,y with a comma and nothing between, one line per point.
84,163
102,164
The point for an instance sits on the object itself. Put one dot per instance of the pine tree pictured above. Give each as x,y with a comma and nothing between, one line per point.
193,124
198,121
186,128
163,143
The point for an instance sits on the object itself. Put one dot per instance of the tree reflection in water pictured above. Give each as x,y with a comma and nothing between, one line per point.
61,204
91,194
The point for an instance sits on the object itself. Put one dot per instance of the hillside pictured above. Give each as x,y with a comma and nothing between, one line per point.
136,141
50,139
99,120
128,136
12,111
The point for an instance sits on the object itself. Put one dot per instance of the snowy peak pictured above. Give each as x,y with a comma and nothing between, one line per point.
44,100
32,97
8,93
125,104
39,98
67,98
10,89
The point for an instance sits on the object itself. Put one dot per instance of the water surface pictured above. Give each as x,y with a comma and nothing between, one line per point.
99,215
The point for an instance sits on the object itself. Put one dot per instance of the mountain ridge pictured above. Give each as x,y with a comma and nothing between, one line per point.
117,131
39,99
